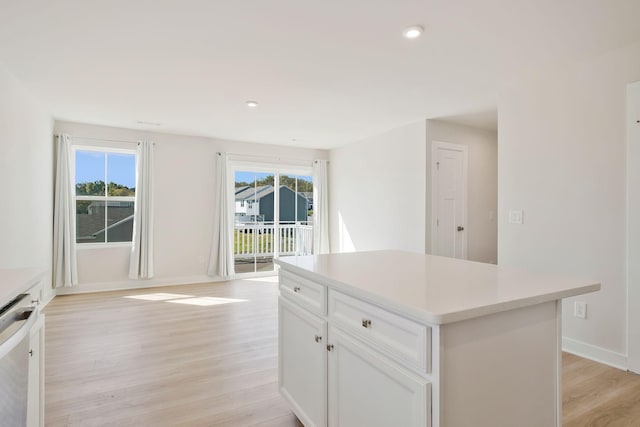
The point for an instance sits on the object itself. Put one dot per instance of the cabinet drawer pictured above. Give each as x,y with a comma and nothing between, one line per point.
399,338
308,294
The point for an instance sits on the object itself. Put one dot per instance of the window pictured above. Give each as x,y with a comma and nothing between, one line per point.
105,195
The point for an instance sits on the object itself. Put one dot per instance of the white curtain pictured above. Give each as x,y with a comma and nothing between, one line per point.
141,262
221,258
320,207
65,270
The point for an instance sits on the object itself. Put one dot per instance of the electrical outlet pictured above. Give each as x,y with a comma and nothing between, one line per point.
516,217
580,309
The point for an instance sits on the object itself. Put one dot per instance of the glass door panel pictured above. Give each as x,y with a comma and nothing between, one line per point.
254,222
294,215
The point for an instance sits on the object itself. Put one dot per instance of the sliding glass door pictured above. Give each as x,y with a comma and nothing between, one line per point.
272,217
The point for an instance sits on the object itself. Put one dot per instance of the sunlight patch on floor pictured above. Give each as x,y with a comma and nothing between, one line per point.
159,296
206,301
270,279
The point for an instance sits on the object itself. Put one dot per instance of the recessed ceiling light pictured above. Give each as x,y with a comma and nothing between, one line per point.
413,32
252,104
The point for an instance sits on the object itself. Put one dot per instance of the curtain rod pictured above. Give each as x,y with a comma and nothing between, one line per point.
256,156
104,139
109,140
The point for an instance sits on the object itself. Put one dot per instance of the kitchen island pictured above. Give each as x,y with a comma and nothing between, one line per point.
396,338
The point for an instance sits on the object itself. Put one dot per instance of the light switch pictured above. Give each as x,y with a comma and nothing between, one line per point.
516,217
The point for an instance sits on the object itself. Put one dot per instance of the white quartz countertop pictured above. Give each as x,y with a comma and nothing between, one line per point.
14,281
431,288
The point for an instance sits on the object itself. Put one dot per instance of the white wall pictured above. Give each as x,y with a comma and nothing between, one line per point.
377,192
482,203
184,173
26,173
561,159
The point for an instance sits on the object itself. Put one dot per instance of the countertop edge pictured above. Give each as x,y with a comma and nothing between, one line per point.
30,277
437,318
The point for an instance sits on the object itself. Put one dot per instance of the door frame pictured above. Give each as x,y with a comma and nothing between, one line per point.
440,145
633,227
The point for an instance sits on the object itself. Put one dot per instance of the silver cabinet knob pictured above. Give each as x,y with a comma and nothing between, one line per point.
460,228
318,338
296,289
329,347
366,323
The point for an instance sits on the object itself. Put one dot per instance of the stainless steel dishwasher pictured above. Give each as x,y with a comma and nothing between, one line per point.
16,320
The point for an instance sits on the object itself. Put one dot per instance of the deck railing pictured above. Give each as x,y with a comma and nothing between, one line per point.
294,238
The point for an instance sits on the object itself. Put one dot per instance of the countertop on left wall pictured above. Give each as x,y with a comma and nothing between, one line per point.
14,281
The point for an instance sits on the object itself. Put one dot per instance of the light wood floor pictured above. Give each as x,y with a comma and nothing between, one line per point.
595,395
114,360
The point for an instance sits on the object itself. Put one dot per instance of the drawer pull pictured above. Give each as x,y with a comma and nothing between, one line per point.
366,323
329,347
318,338
296,289
35,301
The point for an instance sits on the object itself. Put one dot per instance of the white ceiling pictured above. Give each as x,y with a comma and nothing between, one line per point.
325,72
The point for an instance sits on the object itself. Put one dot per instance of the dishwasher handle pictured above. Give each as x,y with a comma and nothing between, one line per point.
24,320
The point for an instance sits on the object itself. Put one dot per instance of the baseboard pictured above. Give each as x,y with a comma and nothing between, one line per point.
595,353
135,284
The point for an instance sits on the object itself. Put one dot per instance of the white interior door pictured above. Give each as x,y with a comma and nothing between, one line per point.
449,192
633,225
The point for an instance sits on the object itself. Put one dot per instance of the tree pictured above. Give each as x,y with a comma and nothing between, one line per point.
96,188
288,181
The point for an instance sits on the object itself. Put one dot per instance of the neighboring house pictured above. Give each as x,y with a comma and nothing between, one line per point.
309,196
248,202
90,226
256,204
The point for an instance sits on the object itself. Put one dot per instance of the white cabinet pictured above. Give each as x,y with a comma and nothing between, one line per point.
303,363
35,389
367,389
16,282
335,369
35,397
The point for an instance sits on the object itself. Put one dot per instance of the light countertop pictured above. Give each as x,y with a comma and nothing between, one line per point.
14,281
431,288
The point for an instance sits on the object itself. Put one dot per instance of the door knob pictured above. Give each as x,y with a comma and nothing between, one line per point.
460,228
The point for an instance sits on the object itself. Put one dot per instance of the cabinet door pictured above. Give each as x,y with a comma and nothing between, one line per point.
303,363
367,389
35,390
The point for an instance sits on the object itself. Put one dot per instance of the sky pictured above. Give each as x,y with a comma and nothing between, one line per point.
90,166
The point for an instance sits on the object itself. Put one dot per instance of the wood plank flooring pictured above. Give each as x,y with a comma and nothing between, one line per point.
595,395
113,360
187,360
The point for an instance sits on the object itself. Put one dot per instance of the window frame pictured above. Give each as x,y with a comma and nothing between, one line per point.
106,149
